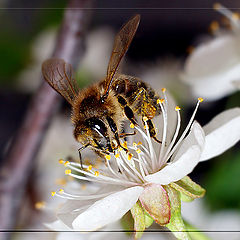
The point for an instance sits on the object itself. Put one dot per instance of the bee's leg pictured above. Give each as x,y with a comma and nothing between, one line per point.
114,129
152,130
127,110
80,155
123,135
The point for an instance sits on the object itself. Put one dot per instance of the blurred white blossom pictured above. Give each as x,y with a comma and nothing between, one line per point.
213,69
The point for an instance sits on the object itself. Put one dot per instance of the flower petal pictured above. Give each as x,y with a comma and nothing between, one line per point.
212,67
221,133
184,161
107,210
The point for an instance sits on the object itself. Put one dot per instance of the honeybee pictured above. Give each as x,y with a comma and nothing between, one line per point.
98,112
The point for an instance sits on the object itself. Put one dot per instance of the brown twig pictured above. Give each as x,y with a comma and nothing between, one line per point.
21,157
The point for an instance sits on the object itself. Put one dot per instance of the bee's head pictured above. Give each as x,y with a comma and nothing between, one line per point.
94,131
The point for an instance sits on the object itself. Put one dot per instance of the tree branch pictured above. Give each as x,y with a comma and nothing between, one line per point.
21,156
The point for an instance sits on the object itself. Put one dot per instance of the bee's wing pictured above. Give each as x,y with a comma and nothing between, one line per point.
120,47
58,74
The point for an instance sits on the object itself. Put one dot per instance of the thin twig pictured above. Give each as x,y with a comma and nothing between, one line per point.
21,157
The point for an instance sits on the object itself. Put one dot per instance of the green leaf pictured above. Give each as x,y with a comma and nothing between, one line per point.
176,224
148,219
189,190
154,200
139,219
127,223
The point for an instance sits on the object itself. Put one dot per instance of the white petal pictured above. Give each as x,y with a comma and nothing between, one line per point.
236,84
185,160
221,133
107,210
57,226
213,66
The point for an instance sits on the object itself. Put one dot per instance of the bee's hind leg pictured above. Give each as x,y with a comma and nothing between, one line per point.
151,130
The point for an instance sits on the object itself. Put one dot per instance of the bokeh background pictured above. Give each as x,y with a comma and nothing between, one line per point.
157,54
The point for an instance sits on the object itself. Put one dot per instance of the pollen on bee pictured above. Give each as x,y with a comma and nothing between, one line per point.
61,191
130,156
89,168
200,99
117,155
132,125
61,161
68,171
125,144
96,173
138,150
66,163
40,205
163,90
177,108
108,157
53,193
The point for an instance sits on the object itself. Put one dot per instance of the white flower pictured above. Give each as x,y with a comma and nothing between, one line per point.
141,173
213,68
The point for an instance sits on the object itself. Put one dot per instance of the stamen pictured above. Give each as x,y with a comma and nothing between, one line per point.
130,156
68,171
108,157
132,125
134,144
66,163
186,129
61,161
117,155
89,168
61,191
138,150
96,173
163,90
53,193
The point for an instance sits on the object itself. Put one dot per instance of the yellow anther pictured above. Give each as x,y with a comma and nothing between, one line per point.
158,101
89,168
68,171
61,191
117,155
200,99
214,26
163,90
139,143
96,173
134,144
61,181
130,156
61,161
125,144
177,108
132,125
138,150
145,127
40,205
108,157
216,6
145,118
120,149
66,163
53,193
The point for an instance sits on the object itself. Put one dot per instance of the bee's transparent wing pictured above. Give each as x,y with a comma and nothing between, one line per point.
58,74
120,47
